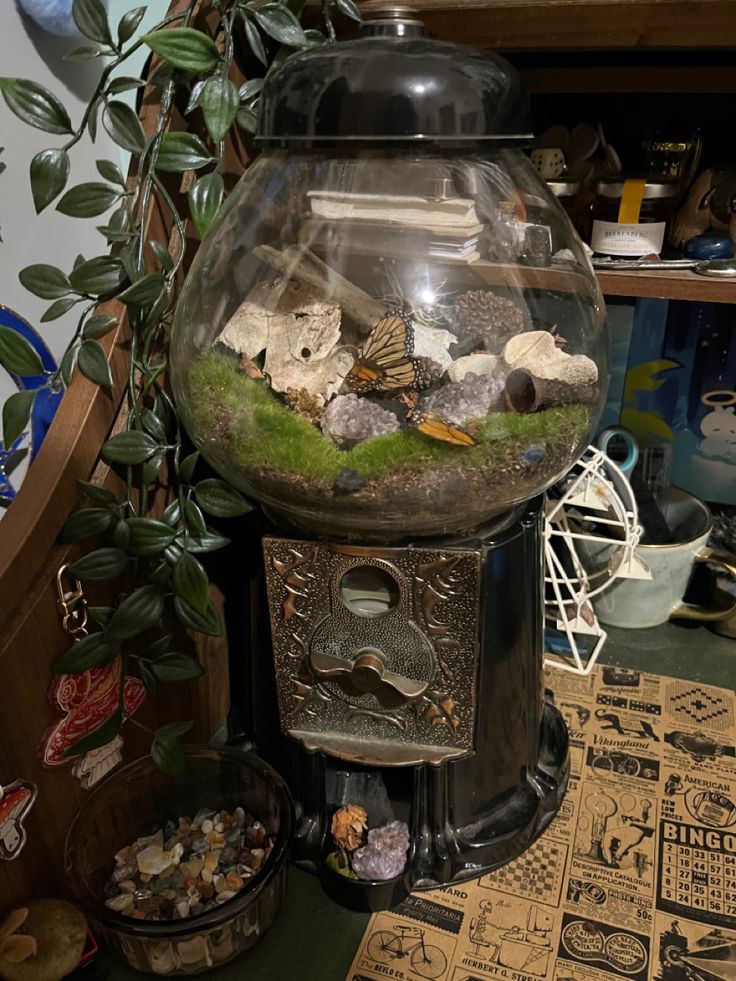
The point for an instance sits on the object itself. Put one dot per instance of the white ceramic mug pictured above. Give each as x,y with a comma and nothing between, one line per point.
647,603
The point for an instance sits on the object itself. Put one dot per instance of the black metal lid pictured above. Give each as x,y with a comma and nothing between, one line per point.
394,87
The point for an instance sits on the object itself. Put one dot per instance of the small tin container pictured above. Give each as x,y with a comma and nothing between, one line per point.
631,216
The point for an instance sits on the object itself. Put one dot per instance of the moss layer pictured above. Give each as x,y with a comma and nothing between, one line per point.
258,432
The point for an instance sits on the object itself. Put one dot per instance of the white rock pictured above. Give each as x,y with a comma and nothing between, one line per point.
153,860
207,826
536,352
434,343
479,364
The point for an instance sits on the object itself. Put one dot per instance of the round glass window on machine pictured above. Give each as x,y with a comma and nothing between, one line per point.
393,330
394,341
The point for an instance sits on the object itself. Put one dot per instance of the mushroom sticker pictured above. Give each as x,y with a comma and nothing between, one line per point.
16,800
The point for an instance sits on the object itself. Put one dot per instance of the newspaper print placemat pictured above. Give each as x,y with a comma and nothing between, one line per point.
636,876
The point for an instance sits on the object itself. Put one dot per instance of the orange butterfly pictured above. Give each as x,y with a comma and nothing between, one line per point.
384,363
435,426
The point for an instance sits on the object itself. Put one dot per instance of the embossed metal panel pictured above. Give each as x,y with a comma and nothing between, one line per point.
381,674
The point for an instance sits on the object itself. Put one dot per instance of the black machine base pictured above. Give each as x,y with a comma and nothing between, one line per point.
466,815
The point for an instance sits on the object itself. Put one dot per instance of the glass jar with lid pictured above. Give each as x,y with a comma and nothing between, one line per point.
631,216
363,344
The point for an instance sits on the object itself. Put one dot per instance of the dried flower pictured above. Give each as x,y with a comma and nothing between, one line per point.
305,404
349,825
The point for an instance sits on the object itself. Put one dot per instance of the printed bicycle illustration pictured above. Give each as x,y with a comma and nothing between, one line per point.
426,960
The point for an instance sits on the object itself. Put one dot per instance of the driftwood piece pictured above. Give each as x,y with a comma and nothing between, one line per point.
306,267
541,375
526,392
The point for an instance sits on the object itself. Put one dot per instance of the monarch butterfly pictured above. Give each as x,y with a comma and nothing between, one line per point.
433,425
384,363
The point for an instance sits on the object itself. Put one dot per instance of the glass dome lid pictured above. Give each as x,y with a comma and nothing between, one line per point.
392,86
392,336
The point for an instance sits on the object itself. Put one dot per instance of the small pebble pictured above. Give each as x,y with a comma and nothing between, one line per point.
207,826
219,883
224,896
127,885
206,890
182,908
234,881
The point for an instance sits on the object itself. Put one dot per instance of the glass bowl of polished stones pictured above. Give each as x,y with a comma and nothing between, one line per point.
181,874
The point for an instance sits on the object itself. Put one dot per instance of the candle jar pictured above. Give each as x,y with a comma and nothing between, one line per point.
630,216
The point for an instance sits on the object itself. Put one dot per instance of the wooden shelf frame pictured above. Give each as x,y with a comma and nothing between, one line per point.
667,284
517,25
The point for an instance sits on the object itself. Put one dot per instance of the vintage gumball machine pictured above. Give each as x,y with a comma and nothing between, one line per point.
394,342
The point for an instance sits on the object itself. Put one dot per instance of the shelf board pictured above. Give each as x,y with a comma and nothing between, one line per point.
568,24
667,284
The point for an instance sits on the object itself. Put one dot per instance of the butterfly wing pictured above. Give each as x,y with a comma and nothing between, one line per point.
384,361
434,426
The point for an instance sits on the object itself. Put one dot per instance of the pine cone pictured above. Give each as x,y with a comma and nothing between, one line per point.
349,826
304,403
483,317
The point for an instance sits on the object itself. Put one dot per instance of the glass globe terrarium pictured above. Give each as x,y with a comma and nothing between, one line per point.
393,329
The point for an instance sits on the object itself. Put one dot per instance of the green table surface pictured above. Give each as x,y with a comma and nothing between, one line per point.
313,939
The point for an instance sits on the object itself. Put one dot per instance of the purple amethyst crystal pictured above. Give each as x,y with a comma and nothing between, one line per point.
349,420
471,398
384,857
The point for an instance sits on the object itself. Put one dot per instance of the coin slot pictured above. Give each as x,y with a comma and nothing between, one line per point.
369,591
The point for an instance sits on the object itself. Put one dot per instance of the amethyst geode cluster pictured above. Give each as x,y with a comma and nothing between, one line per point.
378,854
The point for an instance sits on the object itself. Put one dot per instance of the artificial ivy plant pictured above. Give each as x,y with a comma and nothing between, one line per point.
165,580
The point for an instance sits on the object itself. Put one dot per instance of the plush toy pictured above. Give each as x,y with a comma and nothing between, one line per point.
42,941
52,15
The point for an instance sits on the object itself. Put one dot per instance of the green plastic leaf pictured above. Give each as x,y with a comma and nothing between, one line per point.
93,364
149,536
195,97
279,23
189,580
90,17
153,425
110,171
16,413
68,364
220,103
102,564
121,535
49,174
88,200
177,666
195,518
16,354
168,754
218,498
89,652
159,647
58,308
172,513
130,447
123,126
348,8
35,105
83,53
247,120
250,88
210,541
205,198
129,24
100,736
96,493
45,281
161,575
173,730
99,325
124,83
182,151
315,39
101,614
144,291
85,523
254,40
98,276
183,47
92,119
147,677
186,467
162,254
140,610
209,623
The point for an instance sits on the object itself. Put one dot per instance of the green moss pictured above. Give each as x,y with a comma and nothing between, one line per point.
260,433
